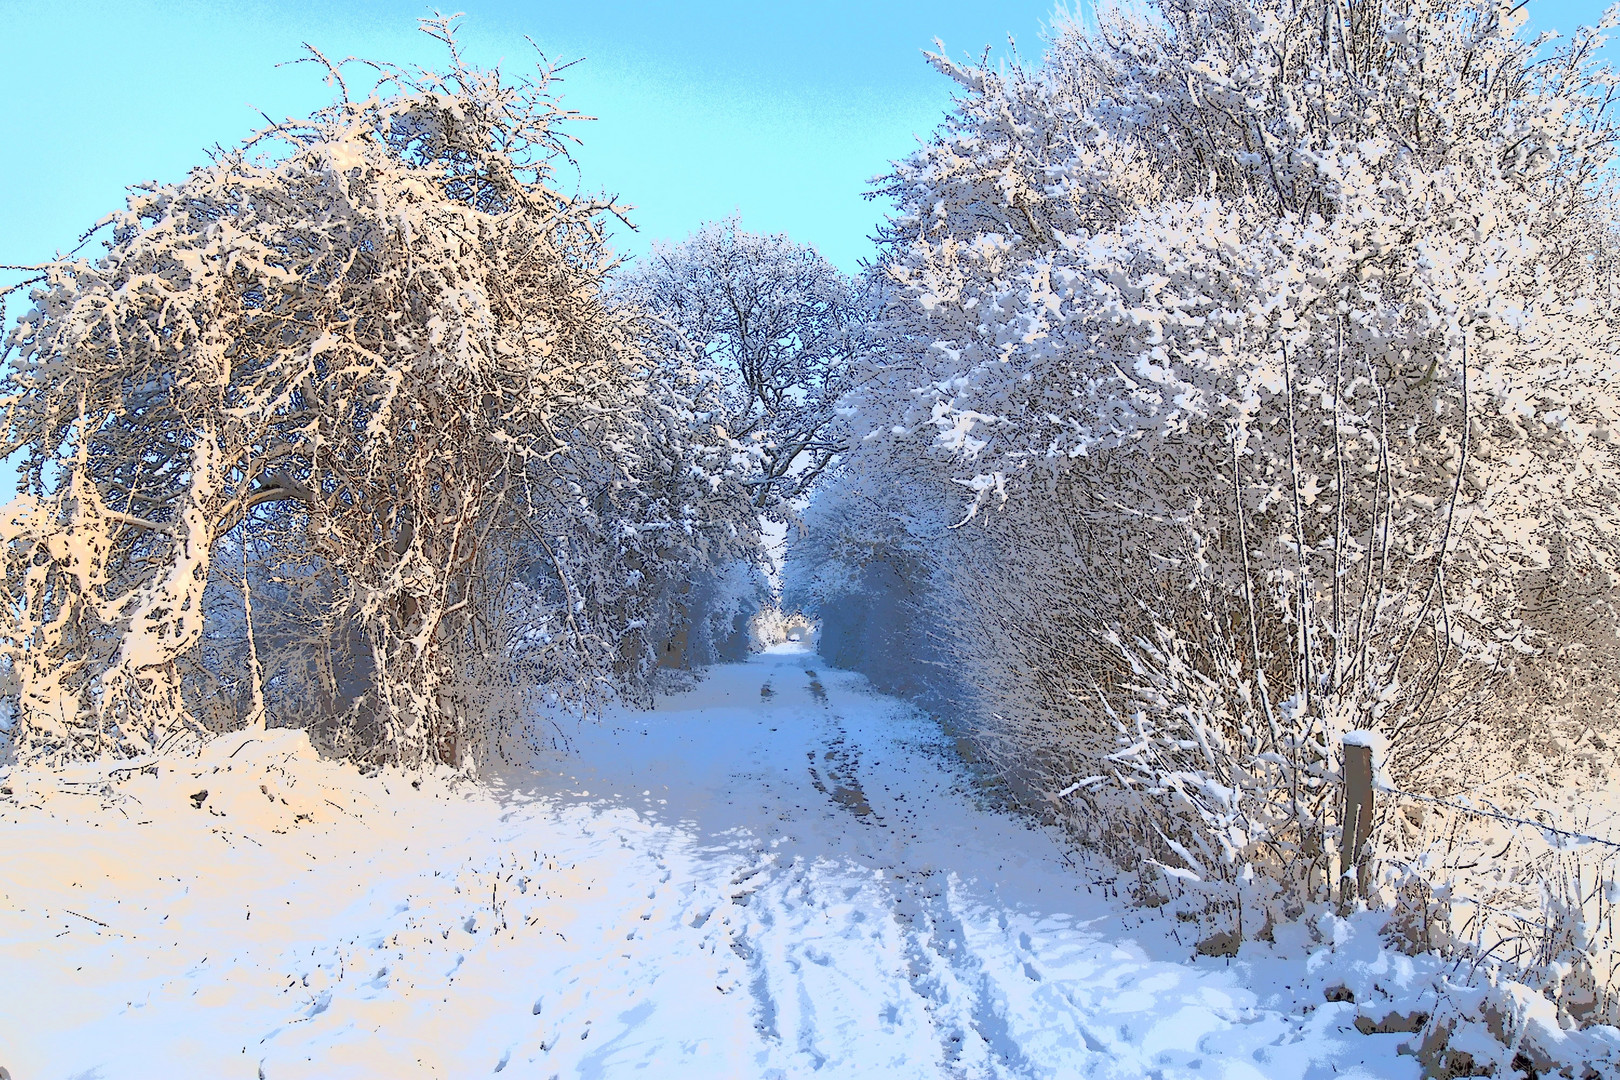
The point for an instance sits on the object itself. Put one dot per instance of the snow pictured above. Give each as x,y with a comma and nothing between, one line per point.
774,874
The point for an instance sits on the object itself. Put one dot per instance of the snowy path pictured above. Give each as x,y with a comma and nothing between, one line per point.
774,875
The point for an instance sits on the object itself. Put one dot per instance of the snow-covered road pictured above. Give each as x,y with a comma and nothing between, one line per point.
777,874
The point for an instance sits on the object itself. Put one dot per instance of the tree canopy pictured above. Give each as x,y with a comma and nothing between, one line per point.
779,330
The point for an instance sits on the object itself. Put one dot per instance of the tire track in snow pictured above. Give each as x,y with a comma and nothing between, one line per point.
896,926
946,983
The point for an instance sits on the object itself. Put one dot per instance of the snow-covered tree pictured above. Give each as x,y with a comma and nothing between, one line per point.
779,328
369,352
1273,345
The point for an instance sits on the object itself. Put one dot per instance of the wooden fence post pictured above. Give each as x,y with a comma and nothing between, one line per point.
1357,819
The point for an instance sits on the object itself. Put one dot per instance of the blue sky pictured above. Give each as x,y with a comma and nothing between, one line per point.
783,111
780,110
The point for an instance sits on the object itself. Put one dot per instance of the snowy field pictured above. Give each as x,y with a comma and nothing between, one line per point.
777,874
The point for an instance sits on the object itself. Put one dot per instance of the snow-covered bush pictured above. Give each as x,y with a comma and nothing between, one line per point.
1273,347
369,356
708,618
1529,907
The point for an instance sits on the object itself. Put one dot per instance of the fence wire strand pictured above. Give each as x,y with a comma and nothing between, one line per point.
1499,816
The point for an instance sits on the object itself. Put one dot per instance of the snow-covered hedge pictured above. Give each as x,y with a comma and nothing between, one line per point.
1272,346
864,569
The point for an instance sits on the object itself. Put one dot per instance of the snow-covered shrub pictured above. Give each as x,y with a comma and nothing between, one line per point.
373,349
1273,347
708,620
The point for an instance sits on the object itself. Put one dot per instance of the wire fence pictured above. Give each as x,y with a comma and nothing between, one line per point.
1361,789
1543,912
1546,829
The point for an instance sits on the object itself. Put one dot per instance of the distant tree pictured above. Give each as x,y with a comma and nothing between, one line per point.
777,326
369,353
